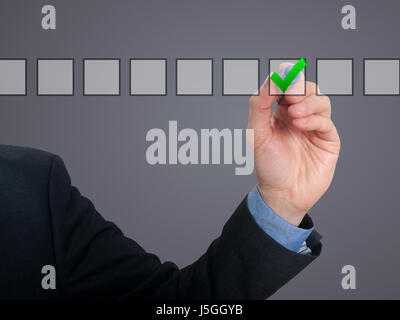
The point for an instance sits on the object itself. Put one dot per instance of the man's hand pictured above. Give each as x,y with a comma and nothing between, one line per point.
295,152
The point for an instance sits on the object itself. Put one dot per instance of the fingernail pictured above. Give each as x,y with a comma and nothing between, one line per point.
286,71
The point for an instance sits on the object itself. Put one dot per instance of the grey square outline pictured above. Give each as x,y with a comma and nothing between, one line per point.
101,95
147,95
258,77
305,77
194,95
55,95
26,78
379,95
352,77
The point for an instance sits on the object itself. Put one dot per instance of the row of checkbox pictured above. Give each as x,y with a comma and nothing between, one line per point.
194,77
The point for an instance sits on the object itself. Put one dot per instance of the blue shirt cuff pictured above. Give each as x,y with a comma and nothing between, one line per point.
286,234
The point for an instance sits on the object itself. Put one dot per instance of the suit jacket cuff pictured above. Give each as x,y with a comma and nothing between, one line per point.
271,264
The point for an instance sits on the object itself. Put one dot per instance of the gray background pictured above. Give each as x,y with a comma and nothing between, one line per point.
176,211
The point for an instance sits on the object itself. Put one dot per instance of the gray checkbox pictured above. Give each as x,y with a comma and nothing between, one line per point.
55,77
335,76
194,77
240,77
101,77
381,77
277,65
148,77
13,77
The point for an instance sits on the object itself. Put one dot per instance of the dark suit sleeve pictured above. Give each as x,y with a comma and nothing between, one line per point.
95,260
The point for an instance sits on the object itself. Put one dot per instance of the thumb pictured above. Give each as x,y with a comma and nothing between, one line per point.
260,114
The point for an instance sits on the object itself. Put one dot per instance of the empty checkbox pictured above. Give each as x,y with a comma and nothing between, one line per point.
12,77
101,77
240,76
381,77
55,77
148,77
335,77
194,77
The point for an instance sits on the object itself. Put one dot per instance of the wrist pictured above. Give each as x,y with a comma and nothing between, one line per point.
280,202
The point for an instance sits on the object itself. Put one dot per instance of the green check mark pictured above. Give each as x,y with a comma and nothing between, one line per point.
283,84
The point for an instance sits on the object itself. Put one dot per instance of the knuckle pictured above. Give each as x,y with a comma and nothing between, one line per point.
327,101
252,100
